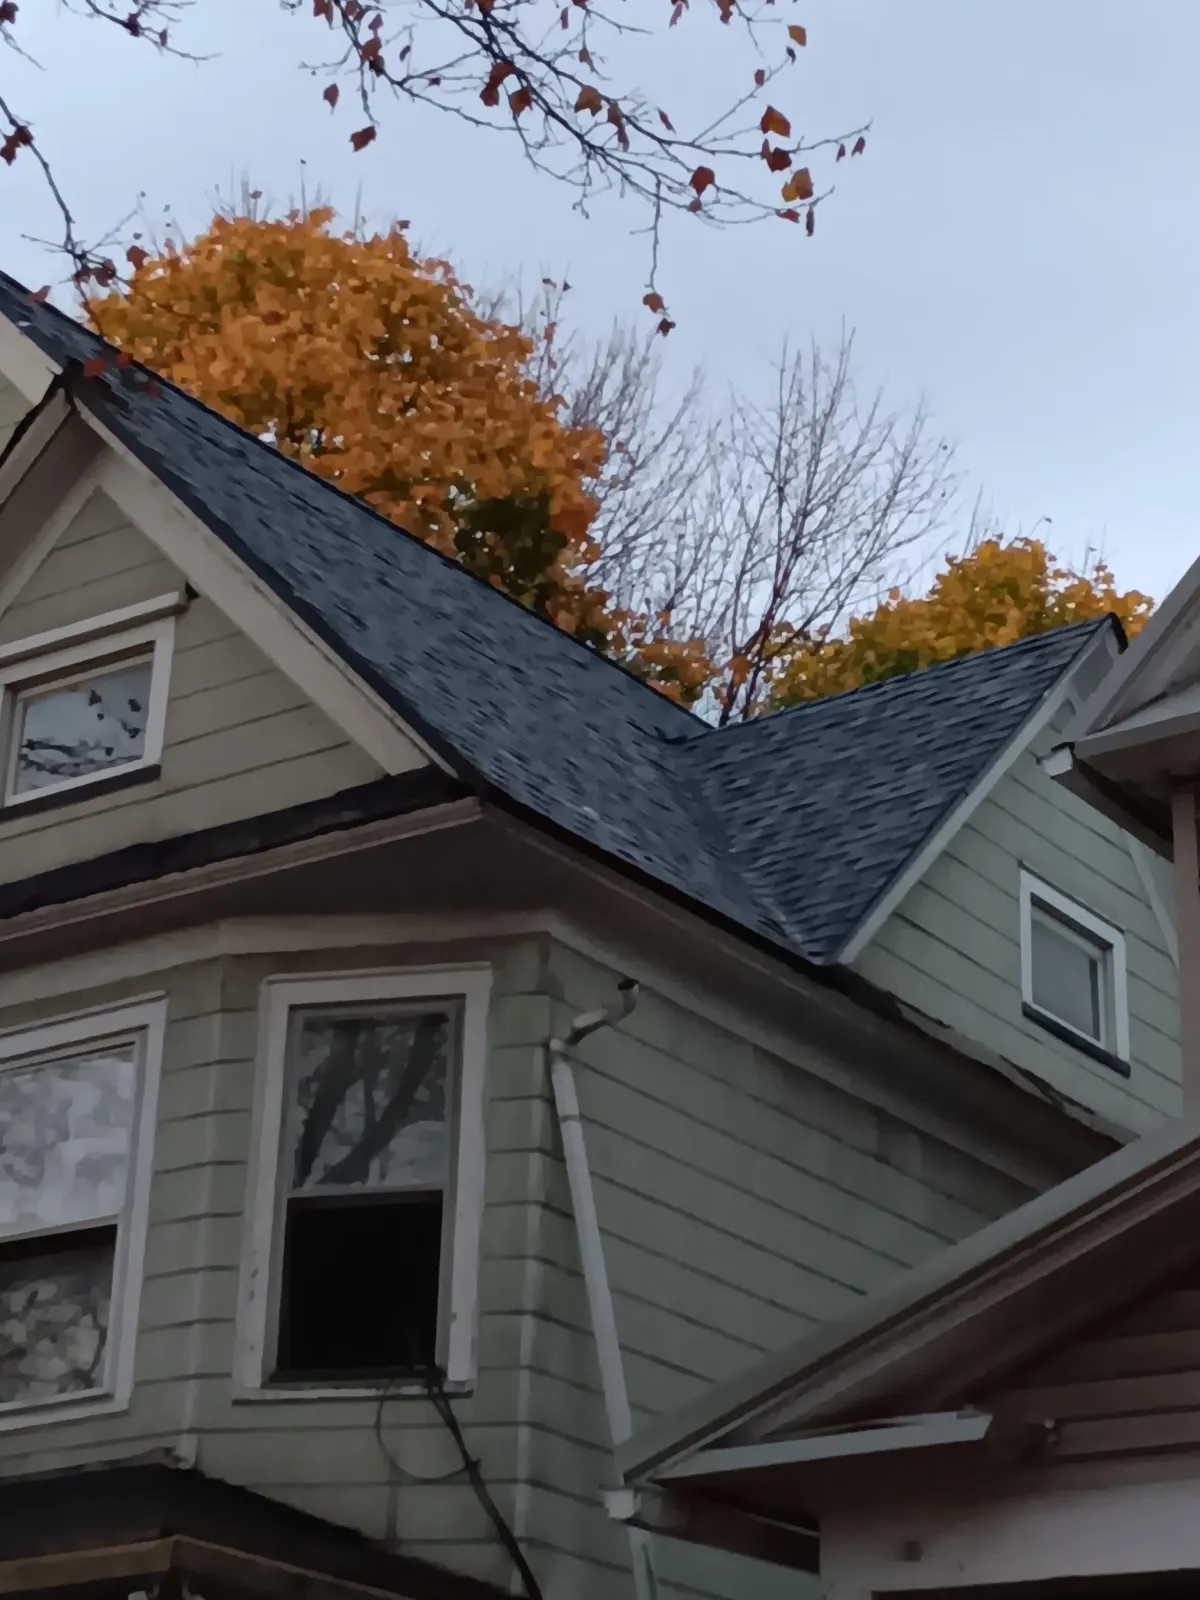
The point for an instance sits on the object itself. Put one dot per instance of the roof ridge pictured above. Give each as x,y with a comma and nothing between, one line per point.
355,500
1085,626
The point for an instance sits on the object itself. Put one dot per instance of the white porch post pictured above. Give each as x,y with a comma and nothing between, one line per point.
1187,923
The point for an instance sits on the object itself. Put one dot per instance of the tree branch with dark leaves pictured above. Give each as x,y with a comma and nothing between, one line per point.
545,73
560,78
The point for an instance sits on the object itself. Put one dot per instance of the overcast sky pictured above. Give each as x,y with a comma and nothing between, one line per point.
1019,243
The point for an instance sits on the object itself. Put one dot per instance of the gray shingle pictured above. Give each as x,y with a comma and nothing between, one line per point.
790,827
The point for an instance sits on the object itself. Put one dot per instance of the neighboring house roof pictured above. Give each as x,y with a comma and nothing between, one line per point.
955,1324
791,828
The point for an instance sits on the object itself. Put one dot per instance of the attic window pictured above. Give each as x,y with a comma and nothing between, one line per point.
1073,976
84,706
362,1264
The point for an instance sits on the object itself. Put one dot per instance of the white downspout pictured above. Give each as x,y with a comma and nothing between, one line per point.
591,1250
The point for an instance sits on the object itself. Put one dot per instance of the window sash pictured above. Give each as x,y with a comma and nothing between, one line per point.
1076,924
364,1194
132,1044
137,1029
48,661
20,696
464,987
297,1017
1098,957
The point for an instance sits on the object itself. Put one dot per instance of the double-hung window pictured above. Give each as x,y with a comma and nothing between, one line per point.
1073,976
77,1102
85,704
363,1253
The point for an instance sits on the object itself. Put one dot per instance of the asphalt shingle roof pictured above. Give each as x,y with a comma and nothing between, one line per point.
790,828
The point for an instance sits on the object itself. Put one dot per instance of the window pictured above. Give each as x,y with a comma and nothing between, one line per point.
1073,977
76,1121
363,1253
85,703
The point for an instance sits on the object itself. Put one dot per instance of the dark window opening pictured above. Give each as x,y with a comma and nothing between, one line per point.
359,1287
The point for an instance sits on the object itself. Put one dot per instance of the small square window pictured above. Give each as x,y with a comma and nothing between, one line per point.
85,726
86,703
368,1193
1073,971
70,1243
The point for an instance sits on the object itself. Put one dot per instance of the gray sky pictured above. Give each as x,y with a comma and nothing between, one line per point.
1019,243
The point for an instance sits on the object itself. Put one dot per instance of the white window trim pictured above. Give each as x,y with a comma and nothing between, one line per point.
1035,889
69,652
145,1019
470,986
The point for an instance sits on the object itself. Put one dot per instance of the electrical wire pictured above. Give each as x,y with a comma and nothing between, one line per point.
470,1468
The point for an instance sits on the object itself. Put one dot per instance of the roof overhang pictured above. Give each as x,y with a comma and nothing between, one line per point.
115,1529
895,1379
1137,736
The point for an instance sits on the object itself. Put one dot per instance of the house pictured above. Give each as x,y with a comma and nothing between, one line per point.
1021,1415
1018,1417
427,1054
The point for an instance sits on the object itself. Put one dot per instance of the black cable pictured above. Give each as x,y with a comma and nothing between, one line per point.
401,1471
435,1389
441,1403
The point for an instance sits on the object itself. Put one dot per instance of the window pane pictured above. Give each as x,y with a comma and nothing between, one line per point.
1067,979
64,1139
54,1303
369,1100
359,1292
82,727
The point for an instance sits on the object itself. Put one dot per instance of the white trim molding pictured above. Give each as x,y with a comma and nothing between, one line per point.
469,987
141,1025
65,656
1100,937
23,362
252,607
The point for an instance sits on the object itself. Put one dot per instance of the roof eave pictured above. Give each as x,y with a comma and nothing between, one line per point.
827,1371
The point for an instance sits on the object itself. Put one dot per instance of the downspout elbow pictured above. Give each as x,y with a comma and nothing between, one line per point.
606,1017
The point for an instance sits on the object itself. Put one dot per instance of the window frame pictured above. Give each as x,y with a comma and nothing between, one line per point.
144,1022
1097,933
64,656
469,988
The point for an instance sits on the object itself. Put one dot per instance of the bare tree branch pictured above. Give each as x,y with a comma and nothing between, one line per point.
802,509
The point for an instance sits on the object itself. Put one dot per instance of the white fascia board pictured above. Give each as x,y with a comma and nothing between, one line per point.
917,1433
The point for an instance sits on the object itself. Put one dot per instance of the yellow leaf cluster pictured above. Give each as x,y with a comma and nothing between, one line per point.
1000,591
373,368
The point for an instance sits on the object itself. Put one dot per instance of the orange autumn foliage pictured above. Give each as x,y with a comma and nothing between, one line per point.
373,368
1002,590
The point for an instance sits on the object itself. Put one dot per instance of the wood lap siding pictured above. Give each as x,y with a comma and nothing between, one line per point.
241,739
1129,1385
321,1455
741,1202
952,949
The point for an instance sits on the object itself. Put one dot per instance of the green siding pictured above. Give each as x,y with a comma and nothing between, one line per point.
741,1200
953,946
240,737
